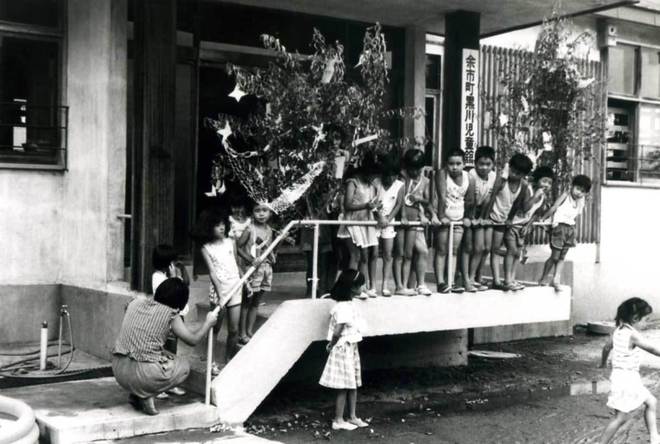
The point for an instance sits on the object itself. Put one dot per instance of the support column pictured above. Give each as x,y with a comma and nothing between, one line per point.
153,167
461,32
414,80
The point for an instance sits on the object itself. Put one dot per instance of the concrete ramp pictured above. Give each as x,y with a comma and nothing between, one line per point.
253,373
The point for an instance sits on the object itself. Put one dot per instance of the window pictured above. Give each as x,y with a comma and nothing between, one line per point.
633,139
432,103
33,124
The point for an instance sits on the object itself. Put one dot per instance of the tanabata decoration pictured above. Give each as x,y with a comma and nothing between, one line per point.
309,118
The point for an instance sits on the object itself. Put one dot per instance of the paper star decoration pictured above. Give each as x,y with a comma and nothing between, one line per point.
237,93
225,131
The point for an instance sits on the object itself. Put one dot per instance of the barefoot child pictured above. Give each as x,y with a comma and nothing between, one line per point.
220,256
475,244
416,201
505,192
342,371
390,190
453,185
627,392
514,236
251,245
564,212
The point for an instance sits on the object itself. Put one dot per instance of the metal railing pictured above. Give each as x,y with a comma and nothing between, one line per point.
316,224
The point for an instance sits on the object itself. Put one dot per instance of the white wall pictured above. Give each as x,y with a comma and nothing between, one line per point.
630,242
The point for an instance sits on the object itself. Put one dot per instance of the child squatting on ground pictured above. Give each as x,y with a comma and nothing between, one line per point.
627,393
342,371
564,212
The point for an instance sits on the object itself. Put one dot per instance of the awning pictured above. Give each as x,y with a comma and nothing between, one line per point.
497,16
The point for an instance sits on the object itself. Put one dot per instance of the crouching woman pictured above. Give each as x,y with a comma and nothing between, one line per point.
140,363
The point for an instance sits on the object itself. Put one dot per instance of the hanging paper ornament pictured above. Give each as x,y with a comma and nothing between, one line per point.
225,132
295,191
365,139
329,70
547,141
237,93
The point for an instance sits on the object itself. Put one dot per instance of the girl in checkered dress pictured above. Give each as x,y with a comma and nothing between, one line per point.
342,371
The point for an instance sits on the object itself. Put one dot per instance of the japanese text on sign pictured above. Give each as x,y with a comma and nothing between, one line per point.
469,103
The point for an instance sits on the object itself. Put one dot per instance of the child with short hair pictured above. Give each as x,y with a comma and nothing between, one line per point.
343,371
476,244
452,186
220,255
416,202
390,191
360,203
252,243
523,217
166,266
564,212
627,391
505,193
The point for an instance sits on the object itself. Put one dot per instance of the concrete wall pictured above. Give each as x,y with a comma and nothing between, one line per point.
24,308
92,235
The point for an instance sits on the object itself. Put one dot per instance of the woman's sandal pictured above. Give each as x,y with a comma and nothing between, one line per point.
148,406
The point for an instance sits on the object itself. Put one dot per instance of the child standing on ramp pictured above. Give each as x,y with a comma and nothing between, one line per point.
627,392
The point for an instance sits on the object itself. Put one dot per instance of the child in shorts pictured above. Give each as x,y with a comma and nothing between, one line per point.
252,244
523,217
453,186
476,244
564,212
505,193
390,192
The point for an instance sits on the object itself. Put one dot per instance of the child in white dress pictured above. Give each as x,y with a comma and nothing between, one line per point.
627,392
343,371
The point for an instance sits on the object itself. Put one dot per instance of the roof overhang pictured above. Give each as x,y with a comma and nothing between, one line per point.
497,16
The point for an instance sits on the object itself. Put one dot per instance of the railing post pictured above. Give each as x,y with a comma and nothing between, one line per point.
450,257
315,261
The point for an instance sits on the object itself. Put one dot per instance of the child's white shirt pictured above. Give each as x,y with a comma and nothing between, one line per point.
483,187
388,196
568,211
345,312
503,202
237,228
455,204
157,278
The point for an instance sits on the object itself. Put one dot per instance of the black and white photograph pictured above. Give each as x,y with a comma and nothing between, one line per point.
311,221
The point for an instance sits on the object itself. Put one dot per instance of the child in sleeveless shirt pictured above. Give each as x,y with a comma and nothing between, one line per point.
453,186
627,392
505,193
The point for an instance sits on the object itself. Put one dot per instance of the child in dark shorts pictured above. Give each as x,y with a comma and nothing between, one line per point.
523,217
564,212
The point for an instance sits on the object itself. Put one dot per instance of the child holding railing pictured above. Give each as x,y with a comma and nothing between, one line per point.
564,212
476,244
360,203
390,191
523,217
416,202
505,192
452,186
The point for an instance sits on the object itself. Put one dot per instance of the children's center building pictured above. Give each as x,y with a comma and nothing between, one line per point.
104,155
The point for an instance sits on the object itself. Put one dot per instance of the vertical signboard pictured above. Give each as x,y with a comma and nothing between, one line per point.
469,103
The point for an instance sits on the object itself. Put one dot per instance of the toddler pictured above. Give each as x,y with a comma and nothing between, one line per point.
342,371
627,392
564,212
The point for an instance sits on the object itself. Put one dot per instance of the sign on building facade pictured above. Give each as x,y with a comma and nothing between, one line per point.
469,103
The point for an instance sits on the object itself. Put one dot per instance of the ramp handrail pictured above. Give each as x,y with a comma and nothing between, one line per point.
316,223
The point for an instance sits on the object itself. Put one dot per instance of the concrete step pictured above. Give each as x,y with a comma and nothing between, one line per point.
91,410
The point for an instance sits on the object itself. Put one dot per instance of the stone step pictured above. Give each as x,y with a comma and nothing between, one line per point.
92,410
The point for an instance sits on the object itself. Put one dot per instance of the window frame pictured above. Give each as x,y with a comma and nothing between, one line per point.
54,35
635,102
